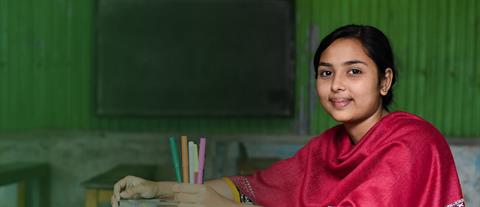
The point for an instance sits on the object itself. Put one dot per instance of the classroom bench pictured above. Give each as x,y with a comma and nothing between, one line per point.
33,181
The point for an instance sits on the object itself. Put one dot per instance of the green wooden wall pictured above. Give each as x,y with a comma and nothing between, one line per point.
437,52
46,74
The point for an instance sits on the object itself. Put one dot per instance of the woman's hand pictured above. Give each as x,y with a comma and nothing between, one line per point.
197,195
132,187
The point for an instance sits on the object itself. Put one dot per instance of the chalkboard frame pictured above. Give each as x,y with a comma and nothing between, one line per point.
277,102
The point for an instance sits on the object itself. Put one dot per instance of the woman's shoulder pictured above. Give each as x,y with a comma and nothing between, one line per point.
407,127
400,120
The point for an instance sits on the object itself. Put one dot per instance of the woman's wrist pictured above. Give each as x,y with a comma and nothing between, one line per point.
163,188
221,187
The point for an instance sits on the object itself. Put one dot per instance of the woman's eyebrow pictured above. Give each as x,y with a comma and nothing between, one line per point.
325,64
352,62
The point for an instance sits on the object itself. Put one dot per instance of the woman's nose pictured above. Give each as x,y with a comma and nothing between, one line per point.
337,83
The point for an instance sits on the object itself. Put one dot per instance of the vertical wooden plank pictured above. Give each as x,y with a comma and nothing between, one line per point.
21,194
374,13
27,77
476,95
84,12
430,61
43,187
354,12
465,75
55,67
474,115
408,69
23,60
35,116
434,65
42,24
15,56
442,65
400,40
456,67
382,16
12,55
305,41
343,11
421,102
446,48
91,198
48,98
104,196
65,65
467,114
22,78
69,64
4,61
450,79
461,70
322,17
412,55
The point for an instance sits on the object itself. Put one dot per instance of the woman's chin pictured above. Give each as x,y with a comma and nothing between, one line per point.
341,116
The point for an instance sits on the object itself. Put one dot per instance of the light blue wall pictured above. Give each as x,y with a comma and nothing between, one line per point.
8,195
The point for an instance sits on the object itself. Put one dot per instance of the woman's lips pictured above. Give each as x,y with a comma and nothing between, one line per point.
340,103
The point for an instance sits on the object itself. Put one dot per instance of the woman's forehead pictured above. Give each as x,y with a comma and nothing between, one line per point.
344,50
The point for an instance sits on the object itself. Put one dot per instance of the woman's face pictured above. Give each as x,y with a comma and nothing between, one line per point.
347,82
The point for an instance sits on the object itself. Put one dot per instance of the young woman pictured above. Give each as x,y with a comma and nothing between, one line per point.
373,158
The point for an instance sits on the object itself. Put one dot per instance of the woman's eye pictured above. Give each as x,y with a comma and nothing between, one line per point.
355,72
325,73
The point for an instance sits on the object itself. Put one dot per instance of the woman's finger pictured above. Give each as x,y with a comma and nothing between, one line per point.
114,201
133,192
118,187
122,184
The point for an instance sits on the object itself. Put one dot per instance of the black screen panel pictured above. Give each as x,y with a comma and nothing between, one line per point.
194,58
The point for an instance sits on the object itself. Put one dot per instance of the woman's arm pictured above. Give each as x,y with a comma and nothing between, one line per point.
205,195
212,193
132,187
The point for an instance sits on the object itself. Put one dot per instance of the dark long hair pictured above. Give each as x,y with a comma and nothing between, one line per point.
376,46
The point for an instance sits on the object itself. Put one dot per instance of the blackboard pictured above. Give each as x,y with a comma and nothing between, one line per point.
194,57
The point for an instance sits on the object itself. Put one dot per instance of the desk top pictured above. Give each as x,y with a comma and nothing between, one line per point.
107,179
15,172
148,203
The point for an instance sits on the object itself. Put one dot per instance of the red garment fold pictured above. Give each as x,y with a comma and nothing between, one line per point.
401,161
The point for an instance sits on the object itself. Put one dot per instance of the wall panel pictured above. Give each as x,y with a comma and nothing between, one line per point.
46,74
436,53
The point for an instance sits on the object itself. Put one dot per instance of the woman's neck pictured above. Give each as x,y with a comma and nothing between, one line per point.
356,130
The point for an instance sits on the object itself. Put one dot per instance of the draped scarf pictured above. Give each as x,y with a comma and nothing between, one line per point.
401,161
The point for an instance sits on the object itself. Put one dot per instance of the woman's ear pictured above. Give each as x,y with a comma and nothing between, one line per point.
386,82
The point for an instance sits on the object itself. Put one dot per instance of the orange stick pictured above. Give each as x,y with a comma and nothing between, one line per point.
185,159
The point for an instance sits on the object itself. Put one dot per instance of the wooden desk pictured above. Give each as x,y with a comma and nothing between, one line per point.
99,189
33,182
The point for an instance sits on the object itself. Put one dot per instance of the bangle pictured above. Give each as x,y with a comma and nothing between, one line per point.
233,188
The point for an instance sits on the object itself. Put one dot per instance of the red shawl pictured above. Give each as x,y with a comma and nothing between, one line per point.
401,161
